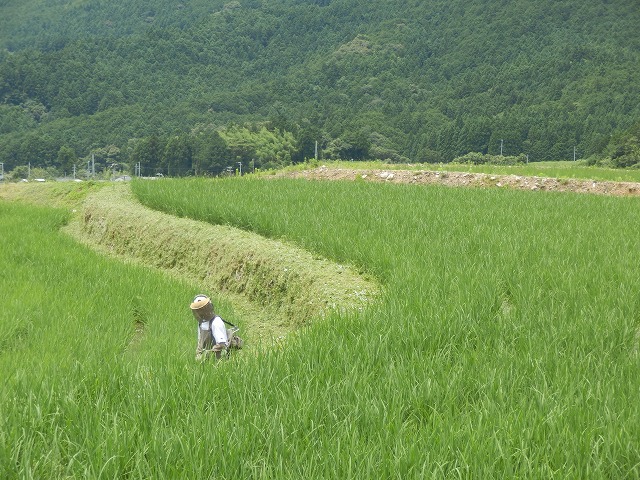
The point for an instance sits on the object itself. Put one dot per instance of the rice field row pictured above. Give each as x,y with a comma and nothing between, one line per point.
505,345
510,324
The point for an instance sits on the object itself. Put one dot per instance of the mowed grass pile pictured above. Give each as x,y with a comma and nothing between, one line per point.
279,287
505,345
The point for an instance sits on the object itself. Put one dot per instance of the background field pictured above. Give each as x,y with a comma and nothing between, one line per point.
506,344
555,169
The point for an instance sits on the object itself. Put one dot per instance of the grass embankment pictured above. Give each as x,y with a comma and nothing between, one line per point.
558,169
279,286
274,286
555,169
52,194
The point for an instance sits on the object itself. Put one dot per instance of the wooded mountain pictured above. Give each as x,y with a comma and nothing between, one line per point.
401,80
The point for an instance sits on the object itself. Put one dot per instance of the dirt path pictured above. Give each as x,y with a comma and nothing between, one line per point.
464,179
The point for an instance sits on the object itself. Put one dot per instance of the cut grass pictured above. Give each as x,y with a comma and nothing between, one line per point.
283,287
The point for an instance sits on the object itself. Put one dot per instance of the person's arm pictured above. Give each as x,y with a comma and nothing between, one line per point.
199,346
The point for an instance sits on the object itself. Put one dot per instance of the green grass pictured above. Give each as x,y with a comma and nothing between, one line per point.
505,345
68,195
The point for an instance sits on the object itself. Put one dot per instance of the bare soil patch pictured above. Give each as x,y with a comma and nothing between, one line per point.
465,179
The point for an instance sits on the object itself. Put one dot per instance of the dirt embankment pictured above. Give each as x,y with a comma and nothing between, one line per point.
463,179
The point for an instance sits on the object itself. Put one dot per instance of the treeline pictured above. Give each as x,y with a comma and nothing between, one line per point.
412,81
205,150
623,151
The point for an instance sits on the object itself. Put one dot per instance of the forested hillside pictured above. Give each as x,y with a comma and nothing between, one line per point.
199,85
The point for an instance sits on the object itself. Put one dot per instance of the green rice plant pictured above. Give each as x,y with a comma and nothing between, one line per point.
505,344
69,355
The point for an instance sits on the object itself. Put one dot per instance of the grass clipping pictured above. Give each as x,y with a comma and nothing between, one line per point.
290,282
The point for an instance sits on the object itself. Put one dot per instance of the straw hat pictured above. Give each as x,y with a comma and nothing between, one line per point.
199,302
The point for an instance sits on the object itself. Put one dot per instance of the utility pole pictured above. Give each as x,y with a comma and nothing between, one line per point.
316,151
1,172
74,171
574,153
501,143
93,165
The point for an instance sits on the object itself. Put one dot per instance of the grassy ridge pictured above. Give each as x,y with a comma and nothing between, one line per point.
553,169
283,286
558,169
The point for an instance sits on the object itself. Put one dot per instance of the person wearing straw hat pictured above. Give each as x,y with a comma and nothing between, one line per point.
213,337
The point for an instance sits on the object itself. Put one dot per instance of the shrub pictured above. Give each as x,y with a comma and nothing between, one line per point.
476,158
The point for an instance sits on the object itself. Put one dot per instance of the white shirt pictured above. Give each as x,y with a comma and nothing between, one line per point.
219,330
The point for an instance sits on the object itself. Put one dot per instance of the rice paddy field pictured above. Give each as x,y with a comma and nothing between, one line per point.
505,343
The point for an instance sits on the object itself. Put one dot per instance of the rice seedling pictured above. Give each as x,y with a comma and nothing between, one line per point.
505,344
512,302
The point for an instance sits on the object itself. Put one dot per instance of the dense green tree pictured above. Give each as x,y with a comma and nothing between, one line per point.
177,158
147,153
356,146
259,146
67,158
308,135
39,150
625,150
211,155
419,81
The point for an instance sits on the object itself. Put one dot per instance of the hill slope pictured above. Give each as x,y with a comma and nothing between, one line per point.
424,81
